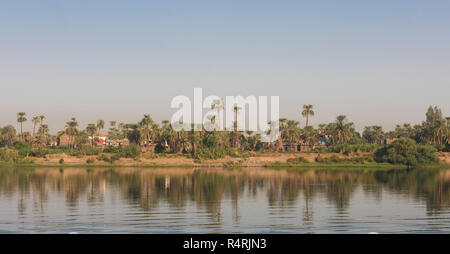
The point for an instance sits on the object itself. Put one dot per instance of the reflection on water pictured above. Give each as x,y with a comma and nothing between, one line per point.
223,201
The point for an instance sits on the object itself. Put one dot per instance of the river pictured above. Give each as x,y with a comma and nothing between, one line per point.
250,200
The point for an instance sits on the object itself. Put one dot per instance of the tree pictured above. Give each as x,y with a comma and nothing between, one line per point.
41,118
307,111
7,135
309,135
441,132
431,130
406,151
235,129
100,126
342,130
291,133
71,130
132,133
145,129
43,133
21,118
194,138
373,134
36,120
218,105
91,130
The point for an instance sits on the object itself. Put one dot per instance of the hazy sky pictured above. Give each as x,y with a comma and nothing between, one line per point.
382,62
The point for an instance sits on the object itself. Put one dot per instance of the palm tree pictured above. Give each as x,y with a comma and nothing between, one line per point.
282,123
211,125
309,136
342,130
218,105
307,111
291,133
236,134
194,139
441,132
145,129
100,126
21,118
36,120
91,129
373,134
71,130
41,117
43,133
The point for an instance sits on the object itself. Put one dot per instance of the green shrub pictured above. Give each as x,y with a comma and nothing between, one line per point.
86,150
446,148
426,154
320,149
114,158
131,151
23,149
9,155
337,159
110,159
205,153
59,150
406,151
112,150
61,161
90,161
103,157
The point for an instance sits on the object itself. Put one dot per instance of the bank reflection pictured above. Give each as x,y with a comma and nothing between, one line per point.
207,188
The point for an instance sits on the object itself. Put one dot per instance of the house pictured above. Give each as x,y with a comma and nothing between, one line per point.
52,141
64,140
99,140
117,142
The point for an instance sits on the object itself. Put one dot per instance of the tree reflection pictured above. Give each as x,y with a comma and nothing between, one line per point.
207,188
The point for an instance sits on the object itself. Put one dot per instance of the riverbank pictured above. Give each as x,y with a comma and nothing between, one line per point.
254,160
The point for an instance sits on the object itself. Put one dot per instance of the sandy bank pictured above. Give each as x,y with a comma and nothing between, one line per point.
173,160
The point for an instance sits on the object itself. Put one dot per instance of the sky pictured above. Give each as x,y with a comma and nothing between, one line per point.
378,62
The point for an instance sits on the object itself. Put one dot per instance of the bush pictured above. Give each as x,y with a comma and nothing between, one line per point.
406,151
9,155
131,151
59,150
113,158
337,159
87,150
426,154
110,159
23,149
320,149
112,150
61,161
205,153
90,161
446,148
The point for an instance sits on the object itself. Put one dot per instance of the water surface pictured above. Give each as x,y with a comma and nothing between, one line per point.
259,200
